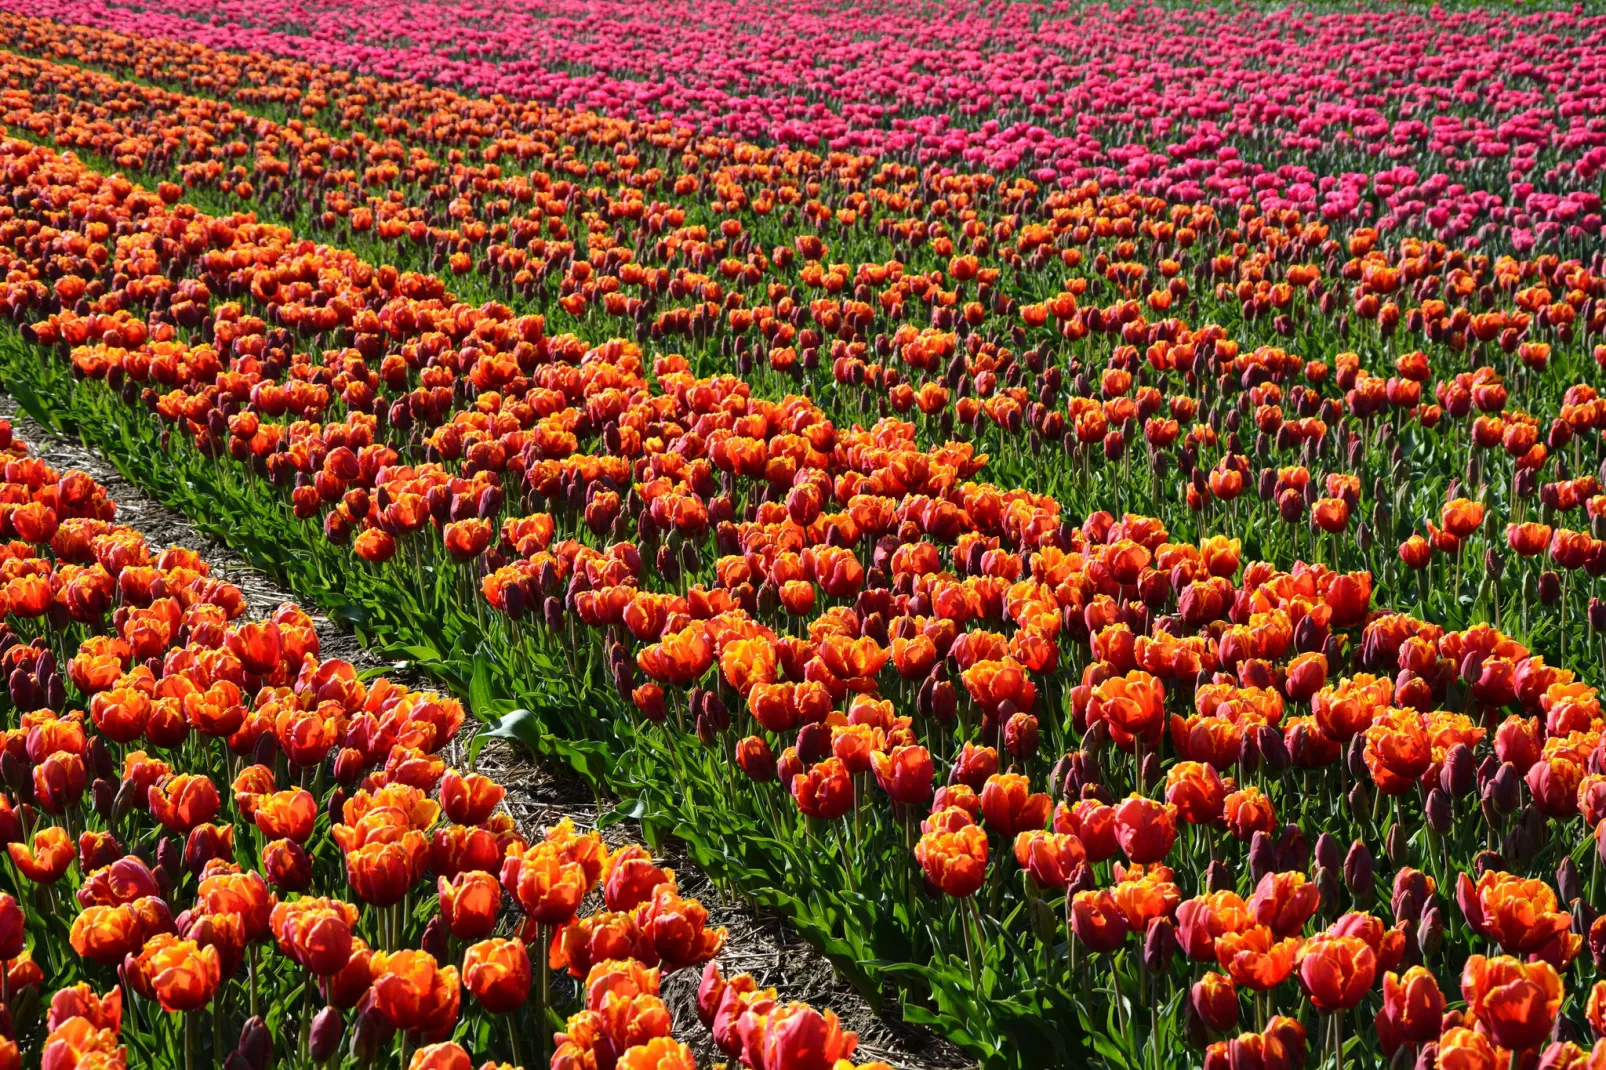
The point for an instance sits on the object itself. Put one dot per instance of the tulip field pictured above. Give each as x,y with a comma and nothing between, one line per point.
1091,514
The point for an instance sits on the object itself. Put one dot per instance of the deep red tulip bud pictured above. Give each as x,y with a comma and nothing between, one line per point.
1358,871
1159,945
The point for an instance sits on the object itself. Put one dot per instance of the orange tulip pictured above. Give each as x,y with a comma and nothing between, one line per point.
1051,859
1145,829
316,933
677,929
104,934
287,815
1008,806
182,975
497,972
470,903
659,1053
1197,792
1467,1049
1098,921
1520,914
1336,972
1255,958
1462,517
825,791
443,1056
1413,1004
81,1001
547,886
794,1035
469,799
183,800
1330,514
1516,1001
47,858
599,937
631,878
1284,902
955,862
1133,705
1398,750
412,992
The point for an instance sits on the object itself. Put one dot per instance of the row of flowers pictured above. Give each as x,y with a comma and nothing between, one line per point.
1463,125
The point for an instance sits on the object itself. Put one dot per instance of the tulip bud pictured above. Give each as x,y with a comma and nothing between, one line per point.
104,795
17,776
1159,945
1549,587
327,1031
1504,791
1150,770
1569,884
813,743
1459,775
719,717
1217,877
1194,1029
944,703
1519,845
1328,887
370,1034
256,1043
1437,812
1262,857
1248,753
1358,872
1355,758
1430,930
1395,847
1328,852
1583,917
1597,614
1273,749
170,857
1360,801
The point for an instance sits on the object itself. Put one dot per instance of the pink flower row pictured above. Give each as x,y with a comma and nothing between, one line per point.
1469,125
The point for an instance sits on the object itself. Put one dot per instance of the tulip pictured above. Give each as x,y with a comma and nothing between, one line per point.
470,903
411,992
1215,1001
1336,972
1145,829
1412,1005
497,973
1516,1002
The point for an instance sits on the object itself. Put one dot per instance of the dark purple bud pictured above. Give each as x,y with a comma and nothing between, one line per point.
1437,811
256,1043
1262,857
1504,790
1327,884
328,1029
1549,587
1159,946
1430,930
1328,853
1395,847
1569,884
1273,749
1217,877
1459,776
1358,871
